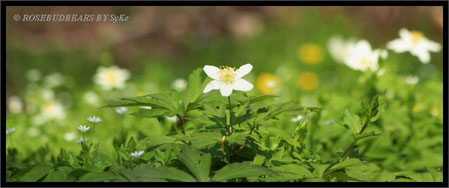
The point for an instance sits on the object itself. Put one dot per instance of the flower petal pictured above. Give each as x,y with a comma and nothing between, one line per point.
214,84
398,46
226,90
243,70
431,46
242,85
423,56
211,71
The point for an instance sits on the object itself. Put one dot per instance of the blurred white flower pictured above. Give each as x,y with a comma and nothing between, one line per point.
69,136
339,48
10,131
121,110
33,75
15,105
415,43
179,84
411,80
51,110
83,128
47,94
81,139
54,80
227,79
146,107
380,72
111,77
33,132
136,153
362,57
296,119
91,98
94,119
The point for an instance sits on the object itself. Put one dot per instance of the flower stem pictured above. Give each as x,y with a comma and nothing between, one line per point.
230,115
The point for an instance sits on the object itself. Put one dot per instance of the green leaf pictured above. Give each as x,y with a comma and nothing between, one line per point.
203,139
346,163
132,144
237,137
36,173
436,176
169,173
289,172
261,98
55,175
150,113
158,140
240,170
353,122
194,87
98,177
198,164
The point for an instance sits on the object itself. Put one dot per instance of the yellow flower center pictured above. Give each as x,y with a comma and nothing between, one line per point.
111,77
416,36
226,74
268,83
365,62
308,81
310,54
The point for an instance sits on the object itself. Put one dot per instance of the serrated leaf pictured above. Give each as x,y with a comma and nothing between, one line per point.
289,172
131,144
168,173
55,175
36,173
237,137
158,140
194,87
346,163
150,113
240,170
198,164
353,122
98,177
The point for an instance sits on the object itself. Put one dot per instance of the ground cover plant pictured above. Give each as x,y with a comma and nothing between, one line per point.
269,99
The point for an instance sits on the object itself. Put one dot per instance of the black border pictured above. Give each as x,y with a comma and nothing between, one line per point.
4,4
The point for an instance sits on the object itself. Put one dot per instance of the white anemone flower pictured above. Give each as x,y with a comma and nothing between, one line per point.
83,128
10,131
137,153
111,77
339,48
227,79
121,110
94,119
52,110
15,105
296,119
415,43
362,57
179,84
411,80
69,136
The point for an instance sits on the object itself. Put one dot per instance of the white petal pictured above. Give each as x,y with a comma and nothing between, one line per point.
243,70
211,71
242,85
226,90
431,46
404,33
214,84
423,56
398,46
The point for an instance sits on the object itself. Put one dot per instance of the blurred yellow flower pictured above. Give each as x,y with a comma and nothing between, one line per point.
417,107
308,81
268,83
310,53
